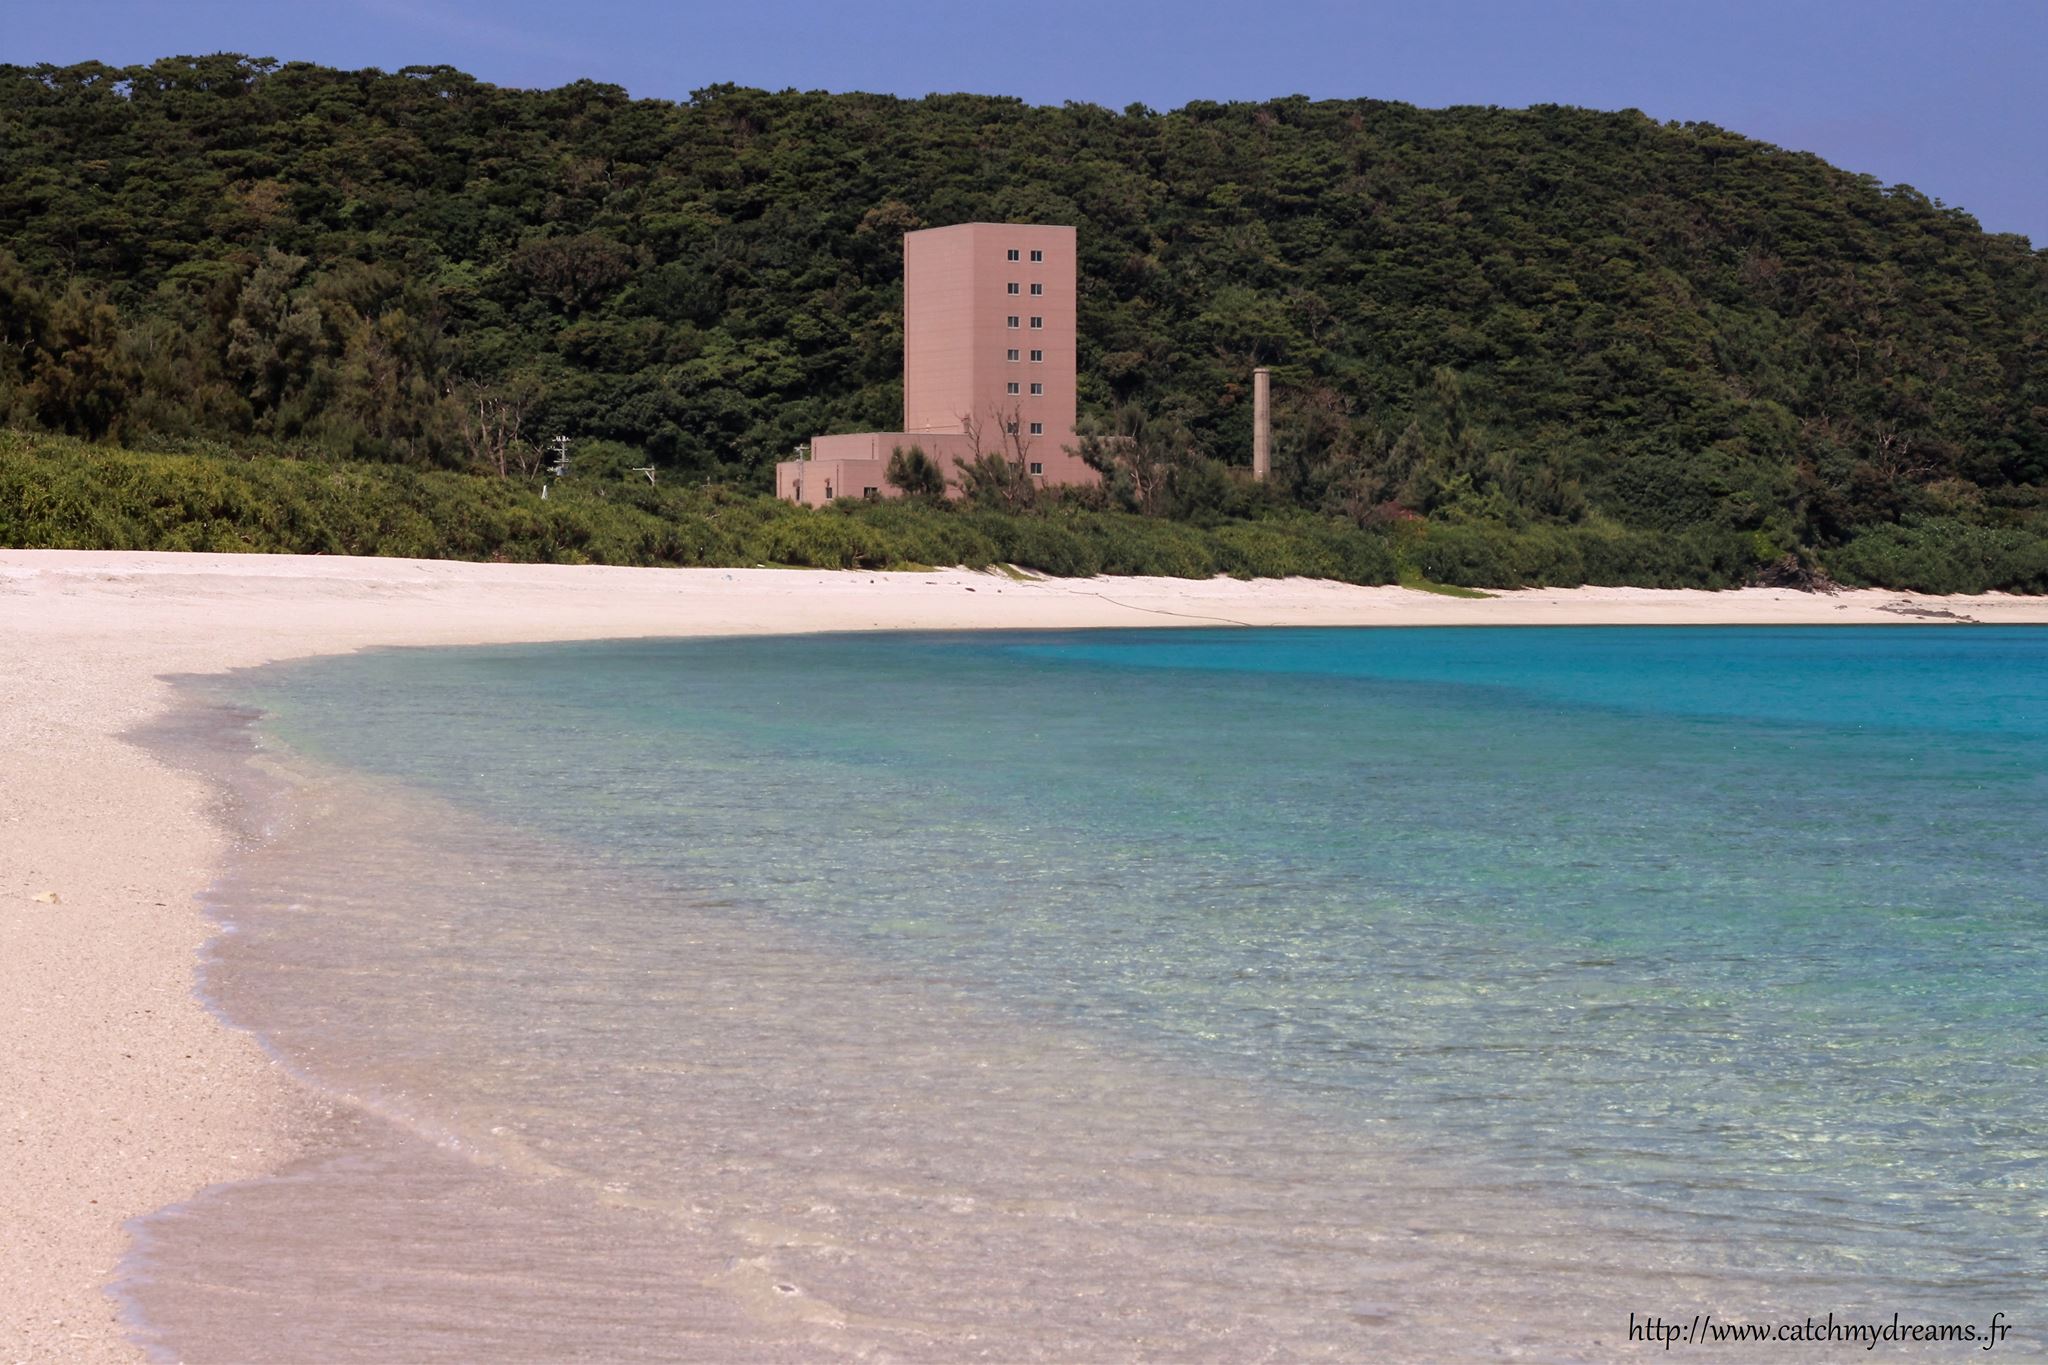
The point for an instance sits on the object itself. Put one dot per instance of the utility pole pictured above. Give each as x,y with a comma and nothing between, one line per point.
559,466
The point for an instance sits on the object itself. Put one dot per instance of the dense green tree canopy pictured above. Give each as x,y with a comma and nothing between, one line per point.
1531,316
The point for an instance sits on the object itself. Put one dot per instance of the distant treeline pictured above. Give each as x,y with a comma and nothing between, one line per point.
63,493
1522,326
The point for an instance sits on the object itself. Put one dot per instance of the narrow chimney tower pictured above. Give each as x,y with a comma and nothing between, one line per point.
1262,424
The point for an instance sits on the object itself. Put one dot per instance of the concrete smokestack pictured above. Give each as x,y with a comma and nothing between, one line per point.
1262,424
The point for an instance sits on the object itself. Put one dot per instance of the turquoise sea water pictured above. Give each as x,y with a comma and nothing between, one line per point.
1712,957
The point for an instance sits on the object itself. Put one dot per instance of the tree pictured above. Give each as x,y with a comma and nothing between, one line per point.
24,314
915,474
275,339
997,471
81,379
386,388
491,420
572,271
1137,456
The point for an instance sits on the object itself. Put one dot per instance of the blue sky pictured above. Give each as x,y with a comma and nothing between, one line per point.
1950,96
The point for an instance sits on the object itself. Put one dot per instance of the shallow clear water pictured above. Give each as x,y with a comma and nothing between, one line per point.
1233,993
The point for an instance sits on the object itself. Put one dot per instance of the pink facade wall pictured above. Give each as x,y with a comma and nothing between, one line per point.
817,482
880,445
941,340
957,337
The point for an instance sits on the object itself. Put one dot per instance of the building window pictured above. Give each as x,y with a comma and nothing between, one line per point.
871,493
1035,355
828,490
1036,288
1038,428
1036,256
1012,320
1037,468
1013,287
1035,322
1013,386
1013,354
1008,427
1037,389
1013,253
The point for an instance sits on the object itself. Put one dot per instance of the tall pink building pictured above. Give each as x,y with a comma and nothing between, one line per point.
989,322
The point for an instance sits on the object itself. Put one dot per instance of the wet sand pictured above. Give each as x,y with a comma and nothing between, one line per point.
120,1093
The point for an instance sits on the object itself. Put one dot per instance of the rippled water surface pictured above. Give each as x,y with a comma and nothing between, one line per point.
1232,994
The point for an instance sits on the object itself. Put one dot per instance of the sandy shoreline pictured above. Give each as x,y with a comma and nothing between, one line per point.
119,1093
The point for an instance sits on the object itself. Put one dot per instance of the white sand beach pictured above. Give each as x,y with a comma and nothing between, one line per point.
120,1093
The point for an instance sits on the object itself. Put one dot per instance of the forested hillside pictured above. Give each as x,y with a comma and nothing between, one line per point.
1521,318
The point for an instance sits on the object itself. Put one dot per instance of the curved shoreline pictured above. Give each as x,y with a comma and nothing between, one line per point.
123,1093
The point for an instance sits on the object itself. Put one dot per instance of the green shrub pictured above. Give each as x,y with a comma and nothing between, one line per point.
823,541
1945,556
61,493
1040,543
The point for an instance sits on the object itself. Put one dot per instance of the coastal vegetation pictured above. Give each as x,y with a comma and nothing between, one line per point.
65,493
289,307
